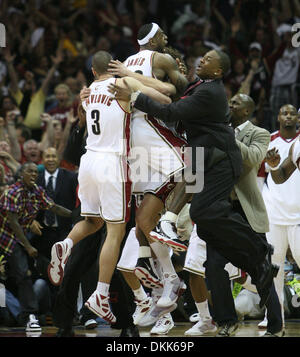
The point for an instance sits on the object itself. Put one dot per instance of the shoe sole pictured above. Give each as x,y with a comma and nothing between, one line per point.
169,242
56,260
202,333
147,279
104,317
91,326
262,327
162,333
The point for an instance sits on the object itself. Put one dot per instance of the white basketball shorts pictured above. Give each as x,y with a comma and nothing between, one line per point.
104,186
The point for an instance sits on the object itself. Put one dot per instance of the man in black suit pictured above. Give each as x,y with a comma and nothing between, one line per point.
204,113
61,186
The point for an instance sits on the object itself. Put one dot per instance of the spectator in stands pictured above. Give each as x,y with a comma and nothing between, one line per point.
20,204
32,152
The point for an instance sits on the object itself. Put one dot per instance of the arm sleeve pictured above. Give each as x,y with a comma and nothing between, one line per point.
44,200
185,109
255,153
10,202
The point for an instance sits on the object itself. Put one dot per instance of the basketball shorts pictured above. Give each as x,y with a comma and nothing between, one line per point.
104,186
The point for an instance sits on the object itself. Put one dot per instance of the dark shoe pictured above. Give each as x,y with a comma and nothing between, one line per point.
280,333
131,331
65,332
144,271
227,330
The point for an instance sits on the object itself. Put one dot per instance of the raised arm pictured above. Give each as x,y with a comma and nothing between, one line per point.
12,136
56,61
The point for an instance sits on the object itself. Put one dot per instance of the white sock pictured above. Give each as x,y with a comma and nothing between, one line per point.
144,251
103,288
170,216
140,294
163,255
69,242
203,310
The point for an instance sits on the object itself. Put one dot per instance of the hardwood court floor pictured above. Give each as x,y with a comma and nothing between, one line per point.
247,328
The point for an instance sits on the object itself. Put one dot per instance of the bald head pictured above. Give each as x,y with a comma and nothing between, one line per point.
241,107
100,62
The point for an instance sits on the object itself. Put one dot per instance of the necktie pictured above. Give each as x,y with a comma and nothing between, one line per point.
50,216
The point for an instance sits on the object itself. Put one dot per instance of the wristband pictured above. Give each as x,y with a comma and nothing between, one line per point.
133,97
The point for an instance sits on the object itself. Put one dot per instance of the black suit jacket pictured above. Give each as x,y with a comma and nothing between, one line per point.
64,195
204,113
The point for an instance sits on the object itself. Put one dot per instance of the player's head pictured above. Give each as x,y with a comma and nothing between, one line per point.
241,108
288,117
152,37
214,64
100,63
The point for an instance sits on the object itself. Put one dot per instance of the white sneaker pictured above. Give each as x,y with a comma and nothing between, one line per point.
263,324
90,324
33,324
142,307
173,288
163,325
154,314
201,327
59,255
99,305
195,317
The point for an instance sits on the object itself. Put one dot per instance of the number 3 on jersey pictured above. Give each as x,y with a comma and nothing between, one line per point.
95,114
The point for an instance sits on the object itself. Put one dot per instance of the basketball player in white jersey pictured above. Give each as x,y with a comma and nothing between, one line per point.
283,171
104,186
163,144
152,68
280,193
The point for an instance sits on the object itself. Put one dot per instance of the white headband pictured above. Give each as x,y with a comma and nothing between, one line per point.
151,34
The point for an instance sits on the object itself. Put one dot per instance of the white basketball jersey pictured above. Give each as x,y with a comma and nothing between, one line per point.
296,153
282,201
141,63
108,125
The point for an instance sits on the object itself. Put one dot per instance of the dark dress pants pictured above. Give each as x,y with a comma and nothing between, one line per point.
18,273
223,309
220,226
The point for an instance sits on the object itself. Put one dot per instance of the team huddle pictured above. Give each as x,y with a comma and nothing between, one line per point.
130,153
